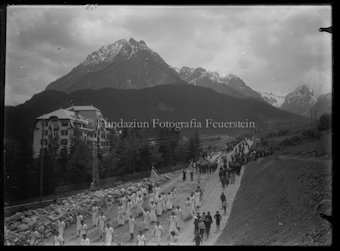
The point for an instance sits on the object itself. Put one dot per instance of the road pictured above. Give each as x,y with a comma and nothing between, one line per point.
211,187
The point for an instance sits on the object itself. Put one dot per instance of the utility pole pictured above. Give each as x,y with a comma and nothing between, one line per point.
311,118
95,152
42,159
316,122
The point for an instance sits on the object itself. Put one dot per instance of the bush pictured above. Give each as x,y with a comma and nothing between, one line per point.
310,133
271,135
283,132
264,142
325,122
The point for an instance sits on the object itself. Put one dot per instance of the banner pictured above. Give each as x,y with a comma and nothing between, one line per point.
154,173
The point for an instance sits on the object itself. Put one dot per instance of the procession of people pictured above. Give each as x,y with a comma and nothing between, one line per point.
148,204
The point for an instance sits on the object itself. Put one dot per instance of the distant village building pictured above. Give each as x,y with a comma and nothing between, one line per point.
61,125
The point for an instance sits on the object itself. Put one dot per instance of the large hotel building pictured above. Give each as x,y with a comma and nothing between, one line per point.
60,126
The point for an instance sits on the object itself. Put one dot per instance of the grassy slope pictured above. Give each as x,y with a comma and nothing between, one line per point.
277,203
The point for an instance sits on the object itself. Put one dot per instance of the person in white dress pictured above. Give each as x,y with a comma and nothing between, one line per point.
139,205
132,223
121,216
157,191
128,209
192,203
174,195
83,228
102,220
79,219
143,192
173,239
151,198
133,200
173,223
108,234
146,219
164,198
178,213
169,202
123,201
197,199
158,232
85,241
58,239
95,215
187,214
109,210
141,239
153,216
159,209
61,227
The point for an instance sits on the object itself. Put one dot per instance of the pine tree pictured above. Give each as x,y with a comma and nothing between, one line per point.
198,145
79,167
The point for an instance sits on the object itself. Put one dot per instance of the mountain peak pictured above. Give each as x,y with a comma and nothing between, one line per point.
132,41
300,100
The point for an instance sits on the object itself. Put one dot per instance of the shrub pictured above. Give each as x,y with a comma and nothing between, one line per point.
310,133
283,132
271,135
325,122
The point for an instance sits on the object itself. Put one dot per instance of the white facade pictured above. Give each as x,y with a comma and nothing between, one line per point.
61,124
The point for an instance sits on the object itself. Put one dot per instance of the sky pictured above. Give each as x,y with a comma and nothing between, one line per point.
271,48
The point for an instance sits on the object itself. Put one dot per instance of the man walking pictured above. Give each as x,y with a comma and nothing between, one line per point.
208,222
218,219
201,227
198,239
196,221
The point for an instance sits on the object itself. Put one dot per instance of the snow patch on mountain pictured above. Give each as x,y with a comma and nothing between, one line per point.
273,99
107,53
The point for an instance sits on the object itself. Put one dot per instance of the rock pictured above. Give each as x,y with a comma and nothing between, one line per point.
22,227
22,237
13,226
29,213
41,229
32,224
25,220
8,219
99,193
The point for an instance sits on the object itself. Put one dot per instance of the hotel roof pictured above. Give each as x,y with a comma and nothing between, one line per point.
82,108
62,114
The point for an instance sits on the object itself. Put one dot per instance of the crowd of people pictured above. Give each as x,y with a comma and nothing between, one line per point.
158,202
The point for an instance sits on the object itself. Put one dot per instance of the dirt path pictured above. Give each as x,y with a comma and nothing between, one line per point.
211,188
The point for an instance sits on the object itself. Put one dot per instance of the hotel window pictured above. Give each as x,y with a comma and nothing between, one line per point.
63,151
63,142
45,132
64,132
45,142
64,123
55,123
45,124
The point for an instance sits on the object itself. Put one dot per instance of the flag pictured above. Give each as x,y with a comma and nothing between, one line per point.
154,173
190,165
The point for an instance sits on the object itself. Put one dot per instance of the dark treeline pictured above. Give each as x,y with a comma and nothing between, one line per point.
135,150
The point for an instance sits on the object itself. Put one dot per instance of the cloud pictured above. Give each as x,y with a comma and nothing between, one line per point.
272,48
